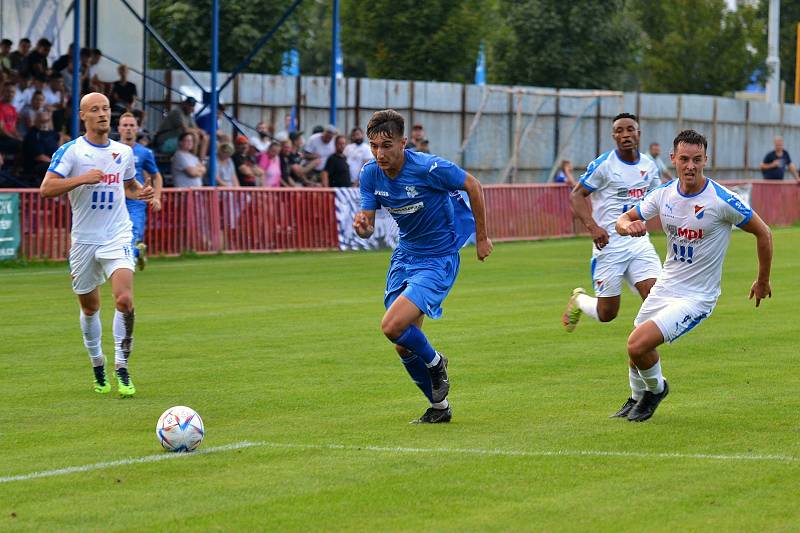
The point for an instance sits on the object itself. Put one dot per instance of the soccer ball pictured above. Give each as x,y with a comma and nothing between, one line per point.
180,429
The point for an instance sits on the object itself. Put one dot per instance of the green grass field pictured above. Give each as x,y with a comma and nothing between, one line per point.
284,352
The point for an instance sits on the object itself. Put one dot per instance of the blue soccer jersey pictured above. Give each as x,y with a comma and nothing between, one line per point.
433,220
143,159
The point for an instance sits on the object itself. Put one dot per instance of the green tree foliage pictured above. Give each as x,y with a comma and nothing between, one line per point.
408,39
557,43
790,17
698,46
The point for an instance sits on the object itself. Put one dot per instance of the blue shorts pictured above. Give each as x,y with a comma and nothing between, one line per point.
138,213
425,281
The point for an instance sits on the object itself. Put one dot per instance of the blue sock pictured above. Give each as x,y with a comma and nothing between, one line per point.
415,341
419,373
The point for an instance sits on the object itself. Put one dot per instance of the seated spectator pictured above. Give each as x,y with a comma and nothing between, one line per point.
37,60
27,116
270,163
337,172
564,174
54,92
5,52
63,60
320,146
288,162
39,144
21,85
187,170
226,171
123,92
299,167
261,140
204,123
248,172
357,152
19,57
38,84
10,140
181,120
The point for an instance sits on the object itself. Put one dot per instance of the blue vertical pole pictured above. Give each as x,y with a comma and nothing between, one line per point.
76,66
334,49
212,142
145,55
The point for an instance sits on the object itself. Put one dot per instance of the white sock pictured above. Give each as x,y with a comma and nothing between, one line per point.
444,404
653,380
434,361
637,384
92,330
588,305
123,338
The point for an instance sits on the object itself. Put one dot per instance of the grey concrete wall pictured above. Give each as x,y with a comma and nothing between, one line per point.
550,128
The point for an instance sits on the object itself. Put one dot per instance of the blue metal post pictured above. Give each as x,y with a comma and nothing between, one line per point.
145,56
334,49
212,142
76,67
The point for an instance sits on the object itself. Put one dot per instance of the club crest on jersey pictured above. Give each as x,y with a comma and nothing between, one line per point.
642,172
116,157
411,191
699,211
598,283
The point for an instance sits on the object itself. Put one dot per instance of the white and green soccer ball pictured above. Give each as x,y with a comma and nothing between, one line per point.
180,429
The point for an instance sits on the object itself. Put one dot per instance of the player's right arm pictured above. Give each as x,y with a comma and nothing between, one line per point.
364,223
55,185
630,224
577,199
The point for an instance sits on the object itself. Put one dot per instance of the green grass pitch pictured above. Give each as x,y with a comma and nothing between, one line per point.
284,352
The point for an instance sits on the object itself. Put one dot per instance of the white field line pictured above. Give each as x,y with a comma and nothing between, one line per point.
122,462
404,450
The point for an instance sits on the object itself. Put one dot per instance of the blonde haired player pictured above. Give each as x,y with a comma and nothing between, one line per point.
98,174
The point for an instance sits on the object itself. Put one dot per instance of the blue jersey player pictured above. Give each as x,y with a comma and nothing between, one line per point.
145,163
420,191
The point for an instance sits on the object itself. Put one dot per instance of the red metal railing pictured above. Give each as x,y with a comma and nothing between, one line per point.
262,220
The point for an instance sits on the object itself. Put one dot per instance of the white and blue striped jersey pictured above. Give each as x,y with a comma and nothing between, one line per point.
618,186
99,215
698,229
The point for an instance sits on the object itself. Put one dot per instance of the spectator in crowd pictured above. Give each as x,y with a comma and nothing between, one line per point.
95,55
777,162
292,154
39,143
417,136
204,123
564,174
226,171
286,157
143,136
307,161
19,57
320,146
357,153
27,117
54,92
5,55
248,172
22,83
10,140
337,172
38,83
63,60
261,140
123,92
655,153
270,163
187,170
37,60
178,121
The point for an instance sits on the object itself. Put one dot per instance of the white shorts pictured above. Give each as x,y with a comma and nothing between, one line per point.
635,264
674,315
91,264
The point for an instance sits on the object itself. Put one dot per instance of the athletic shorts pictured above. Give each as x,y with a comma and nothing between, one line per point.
425,281
91,264
634,264
674,315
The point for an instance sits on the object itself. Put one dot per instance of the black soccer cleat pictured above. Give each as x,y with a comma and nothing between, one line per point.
646,407
435,416
440,382
625,409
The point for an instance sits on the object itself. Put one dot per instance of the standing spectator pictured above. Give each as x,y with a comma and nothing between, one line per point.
260,141
564,174
249,174
5,53
357,153
321,145
63,60
337,171
123,92
187,170
39,143
10,140
181,120
19,57
417,137
95,55
655,152
270,163
37,60
27,117
777,161
226,171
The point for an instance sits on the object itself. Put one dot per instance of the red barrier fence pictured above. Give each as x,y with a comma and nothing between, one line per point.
263,220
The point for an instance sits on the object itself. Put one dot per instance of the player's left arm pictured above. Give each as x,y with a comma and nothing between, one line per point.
630,224
475,192
761,288
154,179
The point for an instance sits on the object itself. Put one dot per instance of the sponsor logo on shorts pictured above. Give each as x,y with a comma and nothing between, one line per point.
407,209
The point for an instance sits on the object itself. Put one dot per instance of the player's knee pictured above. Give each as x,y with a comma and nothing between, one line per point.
636,347
606,315
124,302
89,310
392,328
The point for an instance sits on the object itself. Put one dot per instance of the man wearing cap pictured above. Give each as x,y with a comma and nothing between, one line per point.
321,146
181,120
417,138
